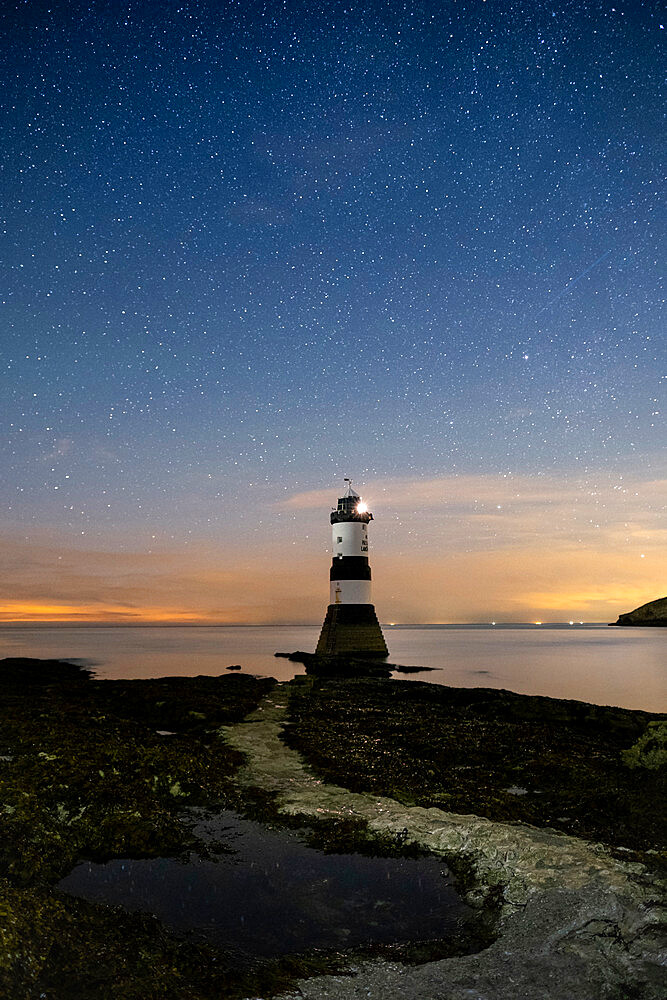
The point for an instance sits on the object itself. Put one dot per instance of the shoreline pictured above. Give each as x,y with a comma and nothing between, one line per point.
597,664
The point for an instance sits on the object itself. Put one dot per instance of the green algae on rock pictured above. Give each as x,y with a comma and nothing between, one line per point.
650,750
51,947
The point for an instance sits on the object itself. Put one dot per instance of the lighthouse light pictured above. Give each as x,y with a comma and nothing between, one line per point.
362,507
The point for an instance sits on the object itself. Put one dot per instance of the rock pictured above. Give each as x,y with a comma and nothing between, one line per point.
28,670
345,665
653,613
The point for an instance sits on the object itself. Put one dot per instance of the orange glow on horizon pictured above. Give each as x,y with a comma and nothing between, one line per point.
25,613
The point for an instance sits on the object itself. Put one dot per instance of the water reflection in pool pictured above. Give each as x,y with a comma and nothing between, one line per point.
272,895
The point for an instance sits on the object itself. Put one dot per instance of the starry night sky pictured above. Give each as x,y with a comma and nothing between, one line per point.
251,248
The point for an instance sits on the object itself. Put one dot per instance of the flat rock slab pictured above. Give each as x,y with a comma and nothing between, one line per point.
575,923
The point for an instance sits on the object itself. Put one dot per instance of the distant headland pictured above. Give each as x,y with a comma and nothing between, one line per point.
653,613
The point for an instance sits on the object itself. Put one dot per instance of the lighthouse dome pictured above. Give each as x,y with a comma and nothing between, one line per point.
351,508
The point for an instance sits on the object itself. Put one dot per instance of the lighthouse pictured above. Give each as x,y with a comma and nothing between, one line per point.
351,627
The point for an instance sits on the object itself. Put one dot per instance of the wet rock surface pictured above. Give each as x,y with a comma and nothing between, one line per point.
344,665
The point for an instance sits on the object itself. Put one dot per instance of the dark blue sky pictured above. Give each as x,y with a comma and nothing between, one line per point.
249,248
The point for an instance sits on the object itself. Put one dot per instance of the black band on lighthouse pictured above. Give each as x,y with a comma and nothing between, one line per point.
350,568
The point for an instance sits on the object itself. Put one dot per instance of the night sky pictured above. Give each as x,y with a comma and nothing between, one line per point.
251,248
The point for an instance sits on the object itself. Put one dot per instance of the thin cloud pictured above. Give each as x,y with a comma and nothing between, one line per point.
505,511
469,491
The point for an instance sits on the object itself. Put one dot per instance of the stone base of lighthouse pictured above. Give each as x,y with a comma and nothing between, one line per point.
351,630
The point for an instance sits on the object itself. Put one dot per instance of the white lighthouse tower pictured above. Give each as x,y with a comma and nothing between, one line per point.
351,626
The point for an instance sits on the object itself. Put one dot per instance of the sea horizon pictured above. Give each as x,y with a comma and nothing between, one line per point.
315,624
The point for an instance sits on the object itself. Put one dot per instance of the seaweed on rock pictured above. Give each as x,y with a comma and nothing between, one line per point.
509,757
88,774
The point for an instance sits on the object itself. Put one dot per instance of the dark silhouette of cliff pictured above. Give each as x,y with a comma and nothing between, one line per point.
653,613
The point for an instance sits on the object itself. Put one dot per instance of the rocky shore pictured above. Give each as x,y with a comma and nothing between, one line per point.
548,811
574,922
96,770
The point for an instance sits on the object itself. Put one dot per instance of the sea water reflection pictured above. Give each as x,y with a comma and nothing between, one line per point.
607,666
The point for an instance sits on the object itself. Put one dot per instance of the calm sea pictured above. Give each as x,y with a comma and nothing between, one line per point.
607,666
